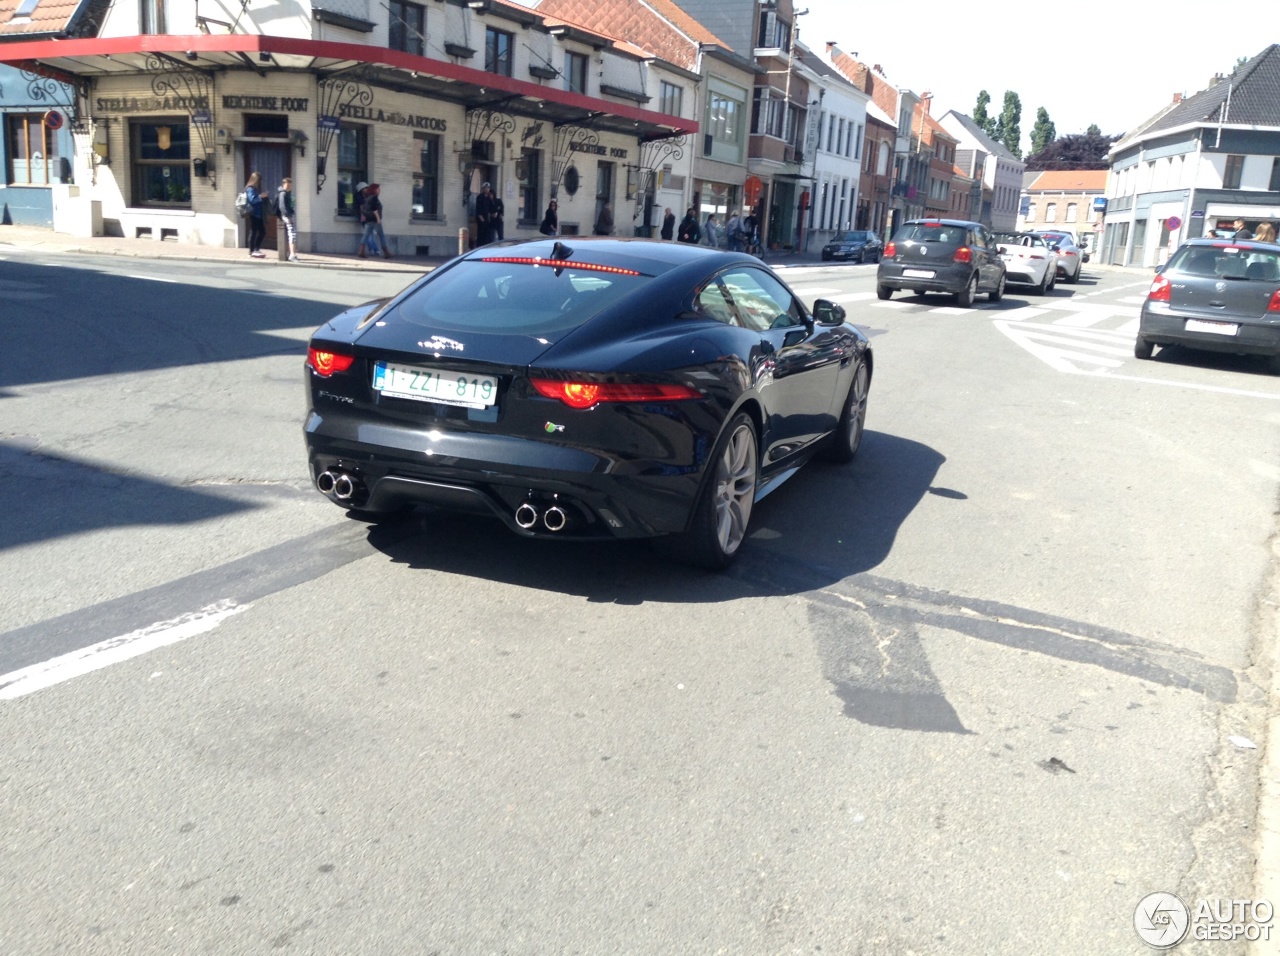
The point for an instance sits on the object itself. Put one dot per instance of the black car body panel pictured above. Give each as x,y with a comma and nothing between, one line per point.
1219,295
618,468
923,258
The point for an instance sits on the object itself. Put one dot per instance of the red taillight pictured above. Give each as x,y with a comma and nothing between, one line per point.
890,251
963,254
1034,256
1066,252
326,363
587,394
1159,290
1274,305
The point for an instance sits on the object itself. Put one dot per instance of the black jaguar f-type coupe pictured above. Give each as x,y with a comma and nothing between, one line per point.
588,388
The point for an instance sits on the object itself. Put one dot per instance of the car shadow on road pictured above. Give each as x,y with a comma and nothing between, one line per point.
1172,355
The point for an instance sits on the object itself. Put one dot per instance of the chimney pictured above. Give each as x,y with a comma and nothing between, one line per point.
926,100
879,69
830,46
1177,98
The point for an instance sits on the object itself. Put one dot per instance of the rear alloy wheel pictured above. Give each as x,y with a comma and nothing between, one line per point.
998,294
1046,283
720,518
843,443
965,298
883,292
1142,348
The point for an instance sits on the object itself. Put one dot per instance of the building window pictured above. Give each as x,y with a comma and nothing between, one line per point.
575,72
161,152
426,177
1071,212
1235,166
407,26
857,143
767,115
775,33
1275,175
151,16
33,151
353,165
1051,212
722,136
1031,212
498,45
669,96
529,175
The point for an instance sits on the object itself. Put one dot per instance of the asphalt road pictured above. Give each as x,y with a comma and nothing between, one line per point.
971,694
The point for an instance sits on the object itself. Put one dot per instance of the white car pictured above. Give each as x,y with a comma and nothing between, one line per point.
1028,260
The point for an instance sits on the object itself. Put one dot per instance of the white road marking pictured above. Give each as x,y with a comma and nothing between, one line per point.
891,304
1083,319
853,297
114,650
813,289
1021,315
1220,389
1129,328
950,310
151,278
1093,345
1133,299
1062,359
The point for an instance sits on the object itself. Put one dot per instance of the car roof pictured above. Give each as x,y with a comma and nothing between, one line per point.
942,222
1234,243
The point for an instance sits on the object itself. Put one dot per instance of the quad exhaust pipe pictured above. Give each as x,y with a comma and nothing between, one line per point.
553,519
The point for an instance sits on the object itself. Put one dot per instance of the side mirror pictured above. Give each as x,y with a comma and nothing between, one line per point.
827,312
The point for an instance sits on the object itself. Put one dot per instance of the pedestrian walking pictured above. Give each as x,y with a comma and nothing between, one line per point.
1241,232
288,213
499,210
257,224
484,215
669,225
751,226
604,222
551,221
689,231
710,231
1265,232
371,215
734,232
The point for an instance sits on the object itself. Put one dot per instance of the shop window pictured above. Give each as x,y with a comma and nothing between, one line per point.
529,175
33,152
498,45
1235,167
669,98
353,165
161,153
426,177
407,26
575,72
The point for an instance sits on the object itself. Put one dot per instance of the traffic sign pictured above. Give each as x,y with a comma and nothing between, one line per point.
752,189
1173,222
53,119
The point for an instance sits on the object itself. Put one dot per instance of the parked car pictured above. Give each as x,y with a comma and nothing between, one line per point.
1028,260
1215,294
942,255
857,246
1070,256
614,388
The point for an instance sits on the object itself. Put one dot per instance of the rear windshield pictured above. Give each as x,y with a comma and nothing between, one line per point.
1018,239
925,232
515,297
1056,236
1226,262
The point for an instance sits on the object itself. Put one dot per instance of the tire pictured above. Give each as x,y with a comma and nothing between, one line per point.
843,443
1072,279
883,292
723,511
1142,348
1045,284
1273,364
965,297
862,257
998,293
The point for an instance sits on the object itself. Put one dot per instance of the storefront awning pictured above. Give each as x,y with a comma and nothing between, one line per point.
77,60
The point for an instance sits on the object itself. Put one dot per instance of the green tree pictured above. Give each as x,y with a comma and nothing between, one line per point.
1010,125
1044,132
1093,130
985,121
1086,150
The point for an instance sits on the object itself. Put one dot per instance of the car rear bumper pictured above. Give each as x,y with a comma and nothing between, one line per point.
1252,337
948,278
601,497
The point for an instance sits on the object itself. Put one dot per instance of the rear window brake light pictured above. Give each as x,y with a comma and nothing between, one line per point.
561,264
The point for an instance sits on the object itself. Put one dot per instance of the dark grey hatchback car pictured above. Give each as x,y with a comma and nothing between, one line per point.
1221,295
942,255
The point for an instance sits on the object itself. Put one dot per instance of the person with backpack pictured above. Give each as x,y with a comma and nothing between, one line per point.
285,210
257,225
371,216
735,232
689,231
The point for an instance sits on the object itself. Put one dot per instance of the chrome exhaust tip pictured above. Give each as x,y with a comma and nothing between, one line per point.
343,487
554,518
325,481
526,516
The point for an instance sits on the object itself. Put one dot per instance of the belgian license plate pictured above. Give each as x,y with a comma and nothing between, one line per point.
918,273
1216,328
435,385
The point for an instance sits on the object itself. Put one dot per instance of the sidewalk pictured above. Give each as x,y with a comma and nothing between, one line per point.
46,240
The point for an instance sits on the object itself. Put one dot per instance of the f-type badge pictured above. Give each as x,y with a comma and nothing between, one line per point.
551,428
438,342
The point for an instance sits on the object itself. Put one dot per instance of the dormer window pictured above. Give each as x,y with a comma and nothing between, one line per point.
26,8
